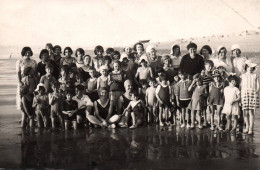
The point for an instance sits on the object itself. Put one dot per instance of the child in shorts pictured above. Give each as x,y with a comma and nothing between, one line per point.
55,101
151,101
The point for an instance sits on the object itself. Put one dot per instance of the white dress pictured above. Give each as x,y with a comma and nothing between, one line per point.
230,94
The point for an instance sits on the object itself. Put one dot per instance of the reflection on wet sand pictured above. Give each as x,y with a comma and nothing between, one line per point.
117,148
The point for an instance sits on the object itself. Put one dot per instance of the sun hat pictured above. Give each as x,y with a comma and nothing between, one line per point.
234,47
220,48
123,55
38,86
128,82
250,63
215,73
149,48
143,57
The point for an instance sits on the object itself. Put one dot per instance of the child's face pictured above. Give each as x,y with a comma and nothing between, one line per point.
91,73
48,71
176,78
216,78
182,76
67,53
163,82
68,97
139,49
143,63
104,72
208,67
205,52
99,53
79,92
151,84
176,51
116,66
86,60
41,91
57,51
144,86
104,94
125,60
28,54
79,55
153,53
128,50
135,97
45,57
233,83
236,53
116,57
222,54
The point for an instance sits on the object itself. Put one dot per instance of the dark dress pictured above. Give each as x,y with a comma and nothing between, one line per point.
103,111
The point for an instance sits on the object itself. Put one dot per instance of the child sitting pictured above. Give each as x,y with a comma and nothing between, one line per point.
55,101
69,110
151,101
41,105
138,110
231,105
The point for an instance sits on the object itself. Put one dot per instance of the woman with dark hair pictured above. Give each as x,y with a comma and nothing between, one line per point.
80,53
222,59
139,49
98,59
57,54
45,59
50,49
21,65
68,59
206,52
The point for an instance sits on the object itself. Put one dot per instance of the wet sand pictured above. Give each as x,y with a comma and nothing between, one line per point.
148,147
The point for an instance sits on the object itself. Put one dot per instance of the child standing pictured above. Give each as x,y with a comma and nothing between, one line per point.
151,101
163,97
91,89
175,106
249,95
69,110
197,103
102,81
48,78
231,105
216,98
138,110
55,101
183,97
41,105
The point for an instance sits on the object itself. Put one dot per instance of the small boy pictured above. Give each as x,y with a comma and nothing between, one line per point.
55,101
102,81
48,78
151,101
69,110
41,105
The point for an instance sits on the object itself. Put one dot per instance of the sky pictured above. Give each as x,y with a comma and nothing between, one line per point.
112,23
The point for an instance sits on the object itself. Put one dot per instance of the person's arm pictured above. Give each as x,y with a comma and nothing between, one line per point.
151,72
136,76
257,84
157,93
127,108
61,62
19,73
98,81
238,97
210,87
35,102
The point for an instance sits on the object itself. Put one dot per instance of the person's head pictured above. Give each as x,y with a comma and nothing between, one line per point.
233,80
28,71
72,67
143,62
64,71
87,59
107,60
92,72
139,48
152,82
206,51
128,85
250,67
68,52
163,79
143,84
79,53
79,77
103,93
115,55
79,90
176,76
44,55
27,52
166,60
104,70
176,50
236,51
99,50
192,49
222,52
151,51
40,89
109,51
116,66
49,47
221,70
127,50
49,69
124,59
182,75
57,50
55,86
208,65
216,75
135,96
69,94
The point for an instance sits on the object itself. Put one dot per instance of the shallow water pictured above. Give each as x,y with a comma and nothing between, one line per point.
149,147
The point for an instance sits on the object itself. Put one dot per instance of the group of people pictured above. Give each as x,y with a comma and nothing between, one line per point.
137,86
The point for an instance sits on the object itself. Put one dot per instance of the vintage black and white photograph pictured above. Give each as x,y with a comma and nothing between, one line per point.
130,84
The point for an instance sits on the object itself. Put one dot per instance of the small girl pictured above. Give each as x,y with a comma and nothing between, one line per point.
183,97
197,103
115,58
163,97
41,105
79,56
143,73
231,105
151,101
102,81
216,98
138,110
91,89
55,101
249,95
